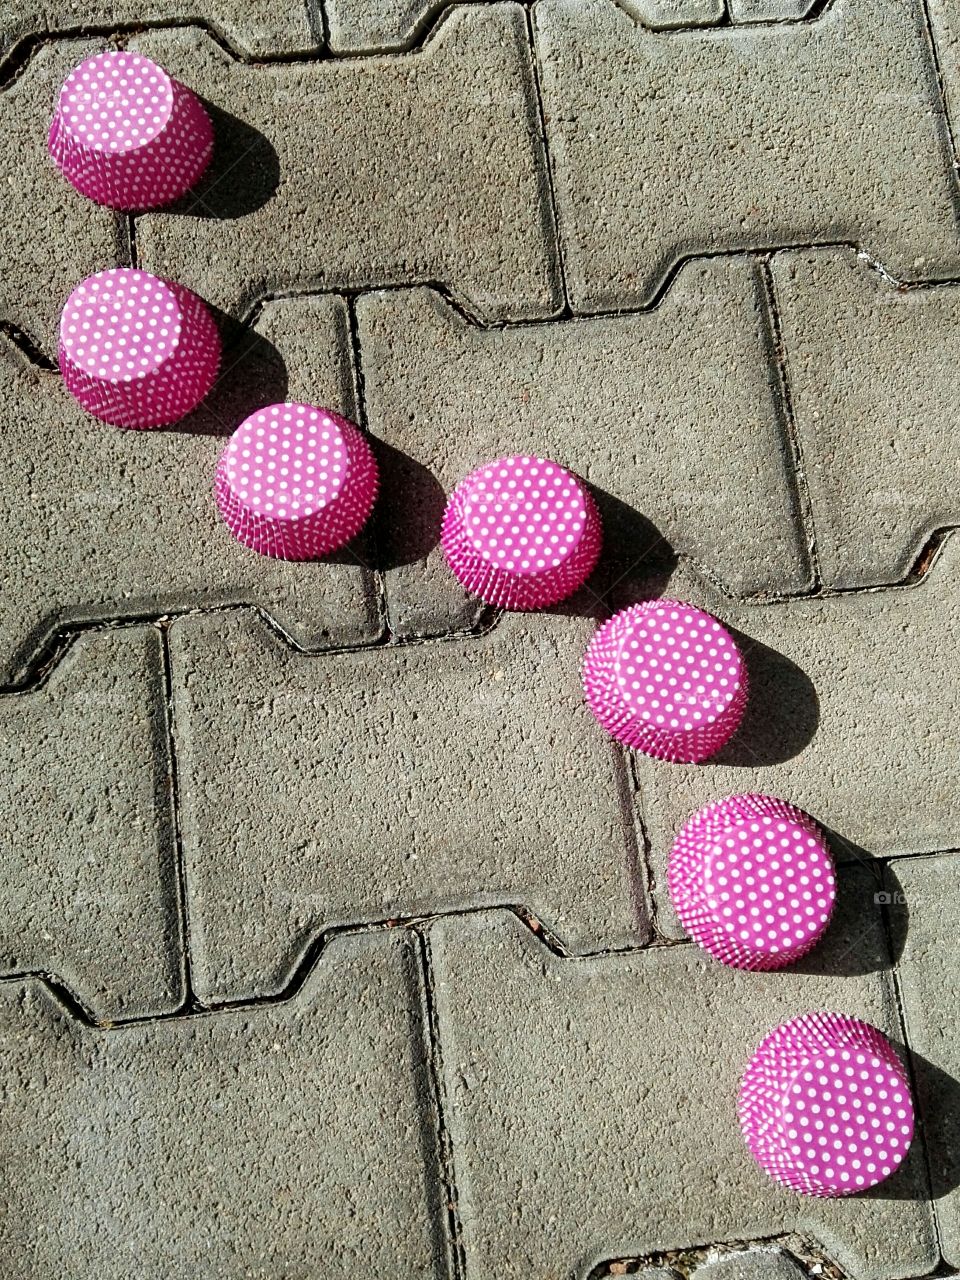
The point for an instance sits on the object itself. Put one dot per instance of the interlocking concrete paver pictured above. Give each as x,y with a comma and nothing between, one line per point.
88,891
945,30
847,718
257,27
666,145
752,1264
385,783
925,901
770,10
100,522
591,1102
53,237
671,414
874,376
421,168
363,25
282,1141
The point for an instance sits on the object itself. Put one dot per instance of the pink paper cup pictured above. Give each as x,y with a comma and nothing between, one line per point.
825,1105
521,533
127,135
752,881
296,482
137,351
666,679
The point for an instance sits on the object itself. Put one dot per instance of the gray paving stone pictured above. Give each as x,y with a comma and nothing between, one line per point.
945,29
769,10
667,145
875,379
423,168
751,1264
88,891
671,414
851,704
99,522
318,792
252,27
279,1141
925,896
591,1103
364,25
53,237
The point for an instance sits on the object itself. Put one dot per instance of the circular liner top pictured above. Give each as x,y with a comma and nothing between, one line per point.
825,1105
521,532
135,350
296,481
667,679
752,881
127,135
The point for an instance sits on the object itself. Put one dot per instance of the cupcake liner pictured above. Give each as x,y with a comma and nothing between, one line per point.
127,135
135,350
521,533
296,481
752,881
825,1105
666,679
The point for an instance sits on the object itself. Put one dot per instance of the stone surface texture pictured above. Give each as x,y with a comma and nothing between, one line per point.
456,195
388,783
875,384
756,137
357,26
924,898
254,28
585,1099
89,890
334,931
285,1140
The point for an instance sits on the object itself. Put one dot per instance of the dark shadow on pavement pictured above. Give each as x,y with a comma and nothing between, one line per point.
409,511
636,563
242,176
782,714
252,374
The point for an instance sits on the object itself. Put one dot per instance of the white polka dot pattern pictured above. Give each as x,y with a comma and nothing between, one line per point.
295,481
127,135
752,881
825,1105
521,532
666,679
137,351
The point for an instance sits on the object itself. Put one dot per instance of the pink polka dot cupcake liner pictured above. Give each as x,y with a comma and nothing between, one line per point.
666,679
521,533
825,1105
296,482
127,135
752,881
137,351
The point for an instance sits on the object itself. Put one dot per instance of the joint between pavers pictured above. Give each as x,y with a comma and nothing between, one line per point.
778,355
21,53
552,229
811,1255
941,87
920,1119
179,860
455,1252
